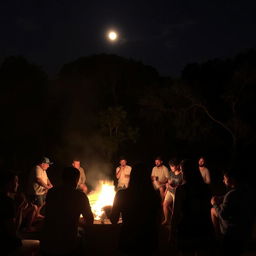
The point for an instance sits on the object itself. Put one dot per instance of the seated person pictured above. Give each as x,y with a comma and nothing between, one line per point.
9,219
233,214
63,207
26,212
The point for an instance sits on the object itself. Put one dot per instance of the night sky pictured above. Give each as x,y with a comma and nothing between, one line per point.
165,34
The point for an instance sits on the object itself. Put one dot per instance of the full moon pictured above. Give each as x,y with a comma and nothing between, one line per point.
112,35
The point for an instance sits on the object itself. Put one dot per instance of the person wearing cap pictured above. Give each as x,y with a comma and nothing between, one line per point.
160,176
123,172
81,183
39,184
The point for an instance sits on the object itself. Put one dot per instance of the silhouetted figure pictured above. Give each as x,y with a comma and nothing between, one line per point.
62,211
140,208
233,214
10,243
191,227
26,212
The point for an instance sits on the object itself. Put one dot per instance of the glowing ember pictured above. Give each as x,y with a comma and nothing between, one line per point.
101,197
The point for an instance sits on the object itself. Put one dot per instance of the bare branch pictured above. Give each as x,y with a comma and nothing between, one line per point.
214,119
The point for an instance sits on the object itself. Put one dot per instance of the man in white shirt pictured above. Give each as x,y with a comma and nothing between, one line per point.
204,171
39,184
123,172
160,176
81,183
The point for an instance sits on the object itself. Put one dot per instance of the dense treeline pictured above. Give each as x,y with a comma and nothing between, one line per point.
103,106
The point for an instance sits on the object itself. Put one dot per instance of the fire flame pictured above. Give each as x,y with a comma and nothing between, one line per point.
101,197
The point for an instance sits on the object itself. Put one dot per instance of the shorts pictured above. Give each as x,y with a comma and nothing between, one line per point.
169,197
38,200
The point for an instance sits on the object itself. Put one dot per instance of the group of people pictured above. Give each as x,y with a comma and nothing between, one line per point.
165,181
197,219
20,211
179,198
39,184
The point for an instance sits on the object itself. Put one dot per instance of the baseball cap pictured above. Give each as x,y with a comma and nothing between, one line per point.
46,160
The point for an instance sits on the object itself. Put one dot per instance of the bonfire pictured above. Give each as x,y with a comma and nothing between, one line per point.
101,200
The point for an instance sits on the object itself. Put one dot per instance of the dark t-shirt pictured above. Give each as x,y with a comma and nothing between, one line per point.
62,210
140,216
237,213
191,222
176,180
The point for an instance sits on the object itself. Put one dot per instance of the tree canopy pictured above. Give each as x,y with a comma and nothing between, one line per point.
104,106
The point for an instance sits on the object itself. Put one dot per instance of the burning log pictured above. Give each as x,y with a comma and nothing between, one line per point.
107,209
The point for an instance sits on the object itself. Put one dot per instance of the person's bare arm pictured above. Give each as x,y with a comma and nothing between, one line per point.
49,183
217,200
227,207
169,184
83,187
42,183
118,172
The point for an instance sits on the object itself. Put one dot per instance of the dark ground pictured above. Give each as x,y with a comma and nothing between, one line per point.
102,239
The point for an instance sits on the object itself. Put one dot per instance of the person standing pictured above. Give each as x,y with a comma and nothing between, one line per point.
82,180
204,170
123,172
172,184
160,176
39,184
